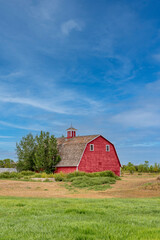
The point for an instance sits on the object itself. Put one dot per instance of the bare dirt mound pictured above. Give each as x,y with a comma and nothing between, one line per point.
130,186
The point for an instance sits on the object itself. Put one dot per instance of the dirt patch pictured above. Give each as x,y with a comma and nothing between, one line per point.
158,178
154,186
43,179
131,186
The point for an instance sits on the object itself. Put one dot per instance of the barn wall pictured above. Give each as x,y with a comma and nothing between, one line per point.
65,169
99,160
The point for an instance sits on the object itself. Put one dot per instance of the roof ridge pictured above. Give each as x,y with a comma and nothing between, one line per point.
80,136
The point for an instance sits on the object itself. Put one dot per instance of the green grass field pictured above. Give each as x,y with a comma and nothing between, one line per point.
79,219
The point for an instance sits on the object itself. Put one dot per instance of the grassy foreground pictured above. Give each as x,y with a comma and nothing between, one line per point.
79,219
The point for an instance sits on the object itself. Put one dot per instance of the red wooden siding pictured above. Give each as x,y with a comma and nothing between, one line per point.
99,160
65,169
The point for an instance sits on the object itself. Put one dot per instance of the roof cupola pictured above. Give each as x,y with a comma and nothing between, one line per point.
71,132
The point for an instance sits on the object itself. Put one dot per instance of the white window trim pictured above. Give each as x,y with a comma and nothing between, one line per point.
107,148
91,145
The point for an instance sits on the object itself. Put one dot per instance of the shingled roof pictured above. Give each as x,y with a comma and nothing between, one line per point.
71,149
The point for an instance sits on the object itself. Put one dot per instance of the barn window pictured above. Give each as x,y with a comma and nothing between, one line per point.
91,147
107,148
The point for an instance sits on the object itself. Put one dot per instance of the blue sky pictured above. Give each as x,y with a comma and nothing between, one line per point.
93,63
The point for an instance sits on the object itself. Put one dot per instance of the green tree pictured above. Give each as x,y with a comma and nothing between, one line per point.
1,164
26,152
38,153
131,167
151,169
146,166
140,168
156,167
46,154
7,163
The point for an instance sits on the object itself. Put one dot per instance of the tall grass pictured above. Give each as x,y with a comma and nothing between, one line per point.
79,219
25,175
90,181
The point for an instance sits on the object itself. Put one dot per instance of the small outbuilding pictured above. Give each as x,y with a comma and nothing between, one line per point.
92,153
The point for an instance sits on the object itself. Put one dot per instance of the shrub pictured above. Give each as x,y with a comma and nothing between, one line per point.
19,176
37,175
60,177
44,175
84,181
27,173
103,174
50,175
5,175
13,175
26,178
95,181
75,174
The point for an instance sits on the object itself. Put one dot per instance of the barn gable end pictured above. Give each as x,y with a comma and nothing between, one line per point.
99,159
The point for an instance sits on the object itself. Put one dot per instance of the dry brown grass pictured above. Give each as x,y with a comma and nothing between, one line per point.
131,186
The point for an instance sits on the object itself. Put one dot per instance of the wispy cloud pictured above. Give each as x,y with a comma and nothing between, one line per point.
11,75
70,25
138,118
157,57
146,144
3,137
12,125
35,103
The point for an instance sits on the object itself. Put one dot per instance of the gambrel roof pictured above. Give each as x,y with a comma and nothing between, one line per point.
71,149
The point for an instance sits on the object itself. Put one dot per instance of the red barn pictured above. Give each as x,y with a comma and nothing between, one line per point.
91,153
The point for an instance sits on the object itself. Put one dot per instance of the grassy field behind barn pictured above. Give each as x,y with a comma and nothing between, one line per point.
79,219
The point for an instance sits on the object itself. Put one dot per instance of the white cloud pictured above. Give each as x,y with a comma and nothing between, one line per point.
69,26
11,75
138,118
12,125
157,57
146,144
35,103
3,137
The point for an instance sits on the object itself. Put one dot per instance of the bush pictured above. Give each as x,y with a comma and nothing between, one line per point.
27,173
12,175
5,175
37,175
75,174
60,177
84,181
103,174
95,181
44,175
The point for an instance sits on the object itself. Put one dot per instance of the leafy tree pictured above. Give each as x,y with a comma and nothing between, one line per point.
146,166
38,153
7,163
1,164
26,153
141,167
131,168
156,167
151,168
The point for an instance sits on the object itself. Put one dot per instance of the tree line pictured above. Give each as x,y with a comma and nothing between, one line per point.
7,163
37,153
145,167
